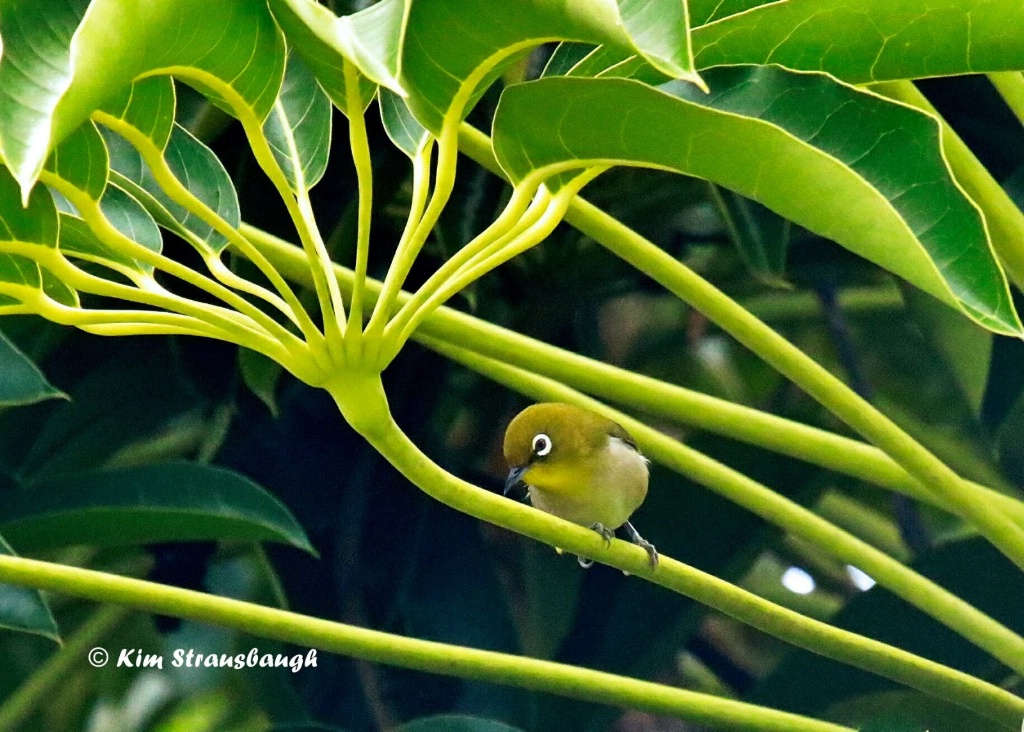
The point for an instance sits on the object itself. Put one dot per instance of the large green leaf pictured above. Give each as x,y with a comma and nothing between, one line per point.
844,163
298,128
21,381
23,609
231,49
869,40
442,56
145,504
35,70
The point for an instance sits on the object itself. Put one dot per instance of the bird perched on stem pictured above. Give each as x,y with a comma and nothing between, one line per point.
579,466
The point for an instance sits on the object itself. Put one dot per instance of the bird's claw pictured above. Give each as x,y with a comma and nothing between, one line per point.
585,563
606,533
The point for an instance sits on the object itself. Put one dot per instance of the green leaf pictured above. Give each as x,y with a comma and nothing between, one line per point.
145,504
298,128
35,70
703,12
21,381
197,168
116,42
261,375
454,723
843,163
760,235
402,127
370,39
23,609
869,40
81,161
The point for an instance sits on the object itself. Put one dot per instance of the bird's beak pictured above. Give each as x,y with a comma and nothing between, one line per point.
514,479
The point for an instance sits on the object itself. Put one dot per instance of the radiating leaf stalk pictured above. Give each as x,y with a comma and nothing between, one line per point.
1010,85
548,215
299,207
204,319
519,213
247,316
420,191
360,145
181,195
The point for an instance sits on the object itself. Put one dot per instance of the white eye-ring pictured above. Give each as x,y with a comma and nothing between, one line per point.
541,445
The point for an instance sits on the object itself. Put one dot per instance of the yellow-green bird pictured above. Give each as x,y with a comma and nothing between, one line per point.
579,466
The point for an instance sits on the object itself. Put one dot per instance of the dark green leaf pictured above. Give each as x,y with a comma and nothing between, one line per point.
146,504
298,127
23,609
262,375
21,381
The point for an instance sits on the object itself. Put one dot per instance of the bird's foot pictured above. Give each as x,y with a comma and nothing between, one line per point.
640,541
585,563
606,533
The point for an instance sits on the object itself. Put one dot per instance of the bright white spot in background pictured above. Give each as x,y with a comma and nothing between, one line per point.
860,580
797,580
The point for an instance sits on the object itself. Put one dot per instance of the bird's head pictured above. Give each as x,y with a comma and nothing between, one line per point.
552,447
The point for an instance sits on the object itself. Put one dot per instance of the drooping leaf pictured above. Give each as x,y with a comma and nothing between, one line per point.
874,40
35,70
147,504
241,70
298,127
23,609
844,163
21,381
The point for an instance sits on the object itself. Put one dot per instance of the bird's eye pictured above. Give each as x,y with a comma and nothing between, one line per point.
541,445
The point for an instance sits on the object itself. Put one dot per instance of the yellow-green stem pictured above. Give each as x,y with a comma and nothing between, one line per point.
332,310
364,174
786,358
378,647
361,399
420,191
518,214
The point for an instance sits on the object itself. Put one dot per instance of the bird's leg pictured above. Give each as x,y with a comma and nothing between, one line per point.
635,537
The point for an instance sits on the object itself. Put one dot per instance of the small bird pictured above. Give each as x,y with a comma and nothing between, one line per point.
579,466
